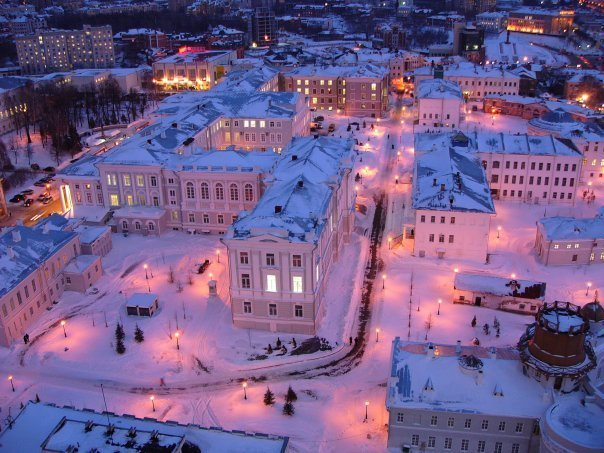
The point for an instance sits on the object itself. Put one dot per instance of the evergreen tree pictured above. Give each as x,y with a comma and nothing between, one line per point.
290,395
119,347
288,409
139,336
269,397
294,343
269,349
119,332
278,343
37,398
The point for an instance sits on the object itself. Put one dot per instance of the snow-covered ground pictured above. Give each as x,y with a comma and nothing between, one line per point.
524,47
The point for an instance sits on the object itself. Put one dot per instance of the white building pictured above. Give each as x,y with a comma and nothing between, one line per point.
492,21
439,104
282,251
526,168
453,205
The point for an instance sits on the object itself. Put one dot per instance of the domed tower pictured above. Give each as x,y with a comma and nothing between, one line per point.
554,350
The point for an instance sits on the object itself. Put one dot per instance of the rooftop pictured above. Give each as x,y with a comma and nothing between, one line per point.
193,57
572,228
467,69
367,70
499,286
439,89
498,387
80,264
145,300
247,81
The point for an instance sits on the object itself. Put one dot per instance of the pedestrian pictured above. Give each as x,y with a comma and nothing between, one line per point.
350,341
356,340
474,321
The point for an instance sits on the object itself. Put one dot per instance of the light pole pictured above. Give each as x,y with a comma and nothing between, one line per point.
456,270
498,231
146,274
177,335
398,156
12,384
152,398
389,243
513,275
244,385
383,281
377,335
588,286
366,411
439,304
63,325
218,255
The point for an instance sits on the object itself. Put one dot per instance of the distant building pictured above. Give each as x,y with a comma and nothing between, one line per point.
492,22
439,104
472,7
27,24
262,27
541,21
143,38
392,37
570,241
64,50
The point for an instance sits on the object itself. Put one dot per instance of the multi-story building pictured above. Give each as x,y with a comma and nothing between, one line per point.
541,21
476,82
391,36
143,38
3,205
360,90
192,70
452,203
570,241
262,27
477,6
532,169
282,251
32,270
461,399
404,63
27,24
64,50
439,104
492,22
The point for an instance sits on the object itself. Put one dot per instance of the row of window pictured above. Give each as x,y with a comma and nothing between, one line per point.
271,283
436,116
520,180
481,445
562,195
422,219
127,180
441,238
484,424
204,191
534,165
490,83
272,309
244,258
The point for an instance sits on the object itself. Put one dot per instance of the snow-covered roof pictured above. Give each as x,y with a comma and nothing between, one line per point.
34,424
580,423
85,166
246,81
466,69
367,70
438,89
139,212
194,57
418,380
572,228
88,234
449,179
499,286
498,143
23,250
80,264
540,11
300,190
145,300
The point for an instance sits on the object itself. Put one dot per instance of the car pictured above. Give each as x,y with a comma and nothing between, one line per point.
92,291
42,196
331,128
49,169
319,126
17,198
27,203
319,118
203,266
27,192
47,200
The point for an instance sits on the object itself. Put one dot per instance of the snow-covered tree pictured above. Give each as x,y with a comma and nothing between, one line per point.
269,397
139,336
290,396
119,347
288,409
119,333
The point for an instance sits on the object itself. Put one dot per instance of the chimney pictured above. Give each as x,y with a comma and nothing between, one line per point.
16,235
163,134
442,187
300,183
458,347
294,157
10,252
278,209
434,183
46,229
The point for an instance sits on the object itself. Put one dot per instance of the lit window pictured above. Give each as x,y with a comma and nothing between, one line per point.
271,283
114,199
297,284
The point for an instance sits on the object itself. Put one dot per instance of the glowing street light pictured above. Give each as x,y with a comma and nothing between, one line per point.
177,335
398,156
389,243
12,384
63,326
244,385
513,275
383,281
145,266
456,270
152,398
439,304
366,411
498,231
588,286
377,335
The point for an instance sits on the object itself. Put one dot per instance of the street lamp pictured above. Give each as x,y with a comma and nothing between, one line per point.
588,286
218,255
146,274
398,156
63,325
377,335
498,231
12,384
513,275
383,281
456,270
366,411
439,304
152,398
244,385
177,335
389,243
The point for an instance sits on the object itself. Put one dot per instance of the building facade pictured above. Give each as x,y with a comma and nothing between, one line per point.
541,21
439,104
64,50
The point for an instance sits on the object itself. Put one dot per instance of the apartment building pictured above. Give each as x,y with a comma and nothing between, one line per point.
492,21
461,399
452,203
476,82
27,24
541,21
570,241
439,104
360,90
282,251
262,27
524,168
64,50
171,174
192,70
404,63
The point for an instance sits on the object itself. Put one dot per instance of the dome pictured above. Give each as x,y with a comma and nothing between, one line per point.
557,116
593,311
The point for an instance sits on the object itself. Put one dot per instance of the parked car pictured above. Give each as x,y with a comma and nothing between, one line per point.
35,167
27,203
49,169
40,183
47,200
313,129
27,192
319,118
42,196
92,291
331,128
203,266
17,198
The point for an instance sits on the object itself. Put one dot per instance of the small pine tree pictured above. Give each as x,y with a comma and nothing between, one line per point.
119,332
278,343
294,343
290,396
269,349
119,347
269,397
288,409
37,398
139,336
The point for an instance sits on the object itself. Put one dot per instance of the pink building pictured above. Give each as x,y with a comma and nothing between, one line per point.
282,251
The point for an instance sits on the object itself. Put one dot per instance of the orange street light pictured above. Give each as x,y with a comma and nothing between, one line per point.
377,335
366,411
383,281
177,335
439,304
152,398
63,325
10,378
588,286
244,385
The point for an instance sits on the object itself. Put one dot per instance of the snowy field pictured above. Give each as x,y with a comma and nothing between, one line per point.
524,47
203,377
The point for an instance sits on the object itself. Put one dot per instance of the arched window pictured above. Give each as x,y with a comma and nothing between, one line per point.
248,191
234,190
190,190
137,225
219,192
205,191
124,224
151,226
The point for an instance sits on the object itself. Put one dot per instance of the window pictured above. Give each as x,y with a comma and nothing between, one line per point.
220,219
481,446
234,192
465,445
501,426
114,199
520,426
205,218
272,309
247,307
270,259
33,285
452,220
441,238
124,225
515,448
498,447
140,181
298,311
431,238
442,219
151,226
190,190
422,219
415,439
127,180
448,443
468,423
271,283
245,281
451,422
434,420
244,258
431,442
219,192
484,425
26,289
433,219
400,417
204,191
191,217
137,225
297,284
248,192
153,180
